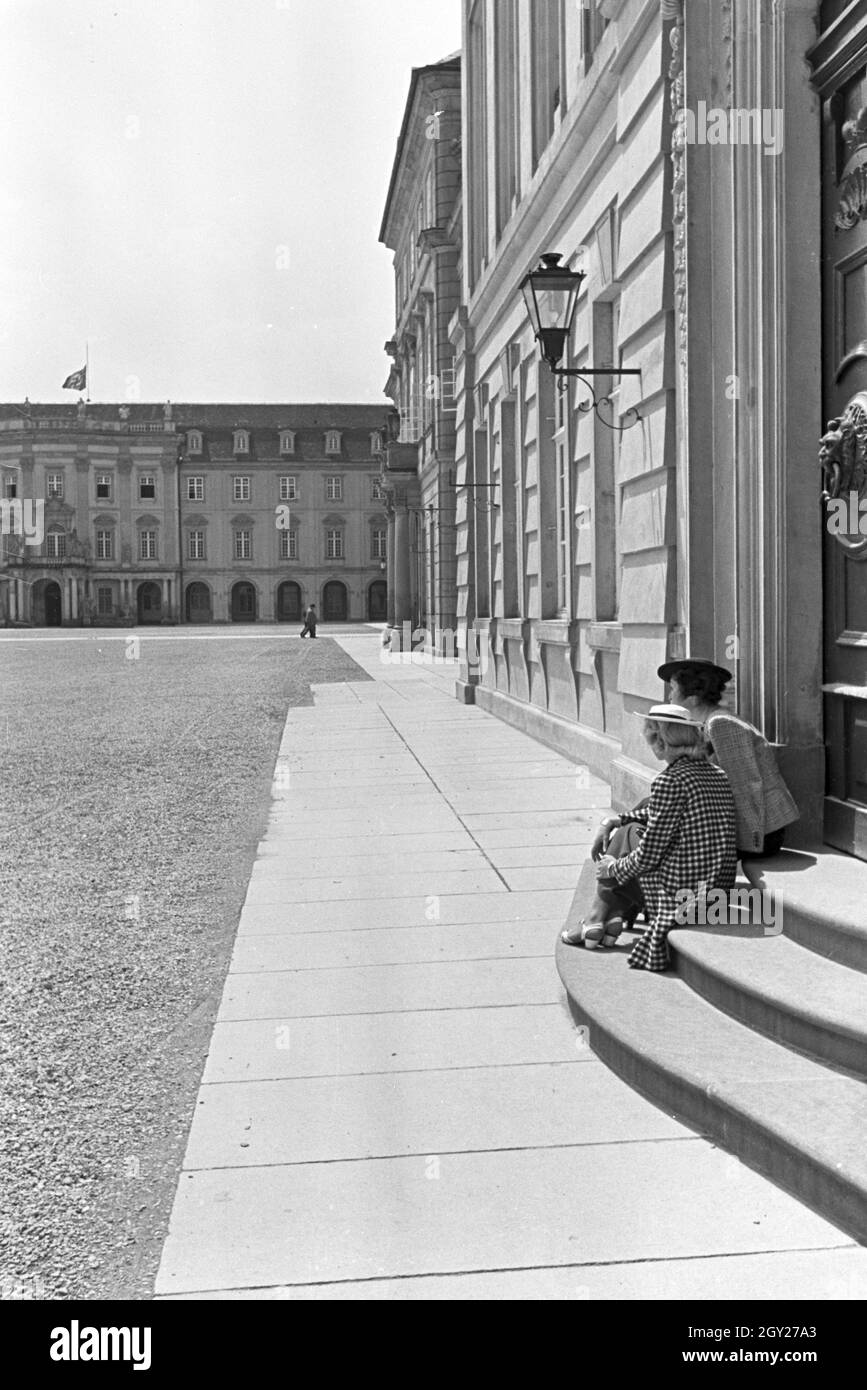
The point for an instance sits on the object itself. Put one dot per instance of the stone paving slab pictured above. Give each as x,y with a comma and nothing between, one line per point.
322,865
478,822
580,831
272,888
804,1275
390,988
358,1044
394,1217
347,847
323,1119
391,946
411,910
543,876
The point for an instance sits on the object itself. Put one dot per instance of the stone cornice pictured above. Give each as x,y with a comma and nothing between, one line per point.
440,87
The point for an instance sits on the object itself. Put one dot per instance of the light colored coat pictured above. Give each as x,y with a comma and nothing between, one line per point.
762,800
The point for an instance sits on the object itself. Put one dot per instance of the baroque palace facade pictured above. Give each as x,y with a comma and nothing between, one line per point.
703,164
192,513
422,226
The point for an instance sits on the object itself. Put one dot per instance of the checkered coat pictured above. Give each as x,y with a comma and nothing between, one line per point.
690,840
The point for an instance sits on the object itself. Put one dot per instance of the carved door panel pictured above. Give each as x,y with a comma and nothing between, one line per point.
843,451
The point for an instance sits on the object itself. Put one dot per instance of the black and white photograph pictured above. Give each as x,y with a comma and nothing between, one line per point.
433,667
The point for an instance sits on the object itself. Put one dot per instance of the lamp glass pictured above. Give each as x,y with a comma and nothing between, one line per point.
551,296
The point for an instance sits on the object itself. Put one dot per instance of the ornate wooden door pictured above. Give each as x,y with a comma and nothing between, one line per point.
840,72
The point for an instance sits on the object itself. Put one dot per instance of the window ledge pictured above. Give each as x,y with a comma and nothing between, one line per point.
513,629
604,637
556,631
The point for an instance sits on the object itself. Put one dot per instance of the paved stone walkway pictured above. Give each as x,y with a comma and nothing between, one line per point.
397,1104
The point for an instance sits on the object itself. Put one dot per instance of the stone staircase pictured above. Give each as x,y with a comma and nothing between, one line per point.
758,1036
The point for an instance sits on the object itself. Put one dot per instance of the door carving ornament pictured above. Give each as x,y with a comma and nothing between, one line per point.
843,459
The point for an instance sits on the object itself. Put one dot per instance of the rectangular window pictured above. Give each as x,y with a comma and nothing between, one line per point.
105,545
104,486
376,492
147,487
477,171
334,545
104,603
289,489
196,545
243,545
195,489
509,507
380,536
593,26
10,487
545,25
564,514
147,545
55,485
507,98
56,545
288,545
334,489
241,488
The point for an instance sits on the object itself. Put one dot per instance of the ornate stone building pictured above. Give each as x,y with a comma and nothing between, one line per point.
193,513
422,226
678,154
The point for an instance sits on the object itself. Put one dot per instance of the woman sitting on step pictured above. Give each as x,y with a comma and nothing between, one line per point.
765,806
683,838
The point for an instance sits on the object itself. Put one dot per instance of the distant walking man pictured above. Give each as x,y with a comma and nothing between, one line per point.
309,621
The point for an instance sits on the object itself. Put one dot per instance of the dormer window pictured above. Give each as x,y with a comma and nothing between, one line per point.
242,442
332,441
194,442
376,442
287,441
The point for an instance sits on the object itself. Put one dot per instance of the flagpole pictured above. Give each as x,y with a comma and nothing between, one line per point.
87,369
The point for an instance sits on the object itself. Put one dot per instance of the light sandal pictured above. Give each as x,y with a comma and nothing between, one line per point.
613,928
586,934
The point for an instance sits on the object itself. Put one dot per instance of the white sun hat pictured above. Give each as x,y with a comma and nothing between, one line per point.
668,714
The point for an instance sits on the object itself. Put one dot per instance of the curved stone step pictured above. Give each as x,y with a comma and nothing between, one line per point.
822,899
794,1120
778,987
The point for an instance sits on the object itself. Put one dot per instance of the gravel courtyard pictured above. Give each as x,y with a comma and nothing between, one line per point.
136,789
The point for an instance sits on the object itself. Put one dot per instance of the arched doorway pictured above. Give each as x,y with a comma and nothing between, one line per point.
377,601
289,602
46,605
335,606
199,608
243,603
150,602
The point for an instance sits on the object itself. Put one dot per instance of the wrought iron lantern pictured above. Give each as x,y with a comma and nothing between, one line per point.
551,295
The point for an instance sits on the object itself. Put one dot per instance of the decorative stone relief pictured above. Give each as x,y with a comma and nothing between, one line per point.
843,459
678,188
853,184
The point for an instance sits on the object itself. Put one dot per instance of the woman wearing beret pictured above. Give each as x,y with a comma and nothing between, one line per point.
688,842
764,804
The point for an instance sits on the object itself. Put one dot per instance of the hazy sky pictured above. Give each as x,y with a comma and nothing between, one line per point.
197,187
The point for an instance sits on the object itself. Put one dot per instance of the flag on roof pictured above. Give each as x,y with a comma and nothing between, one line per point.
77,381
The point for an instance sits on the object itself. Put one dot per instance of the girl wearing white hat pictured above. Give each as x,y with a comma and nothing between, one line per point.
688,842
